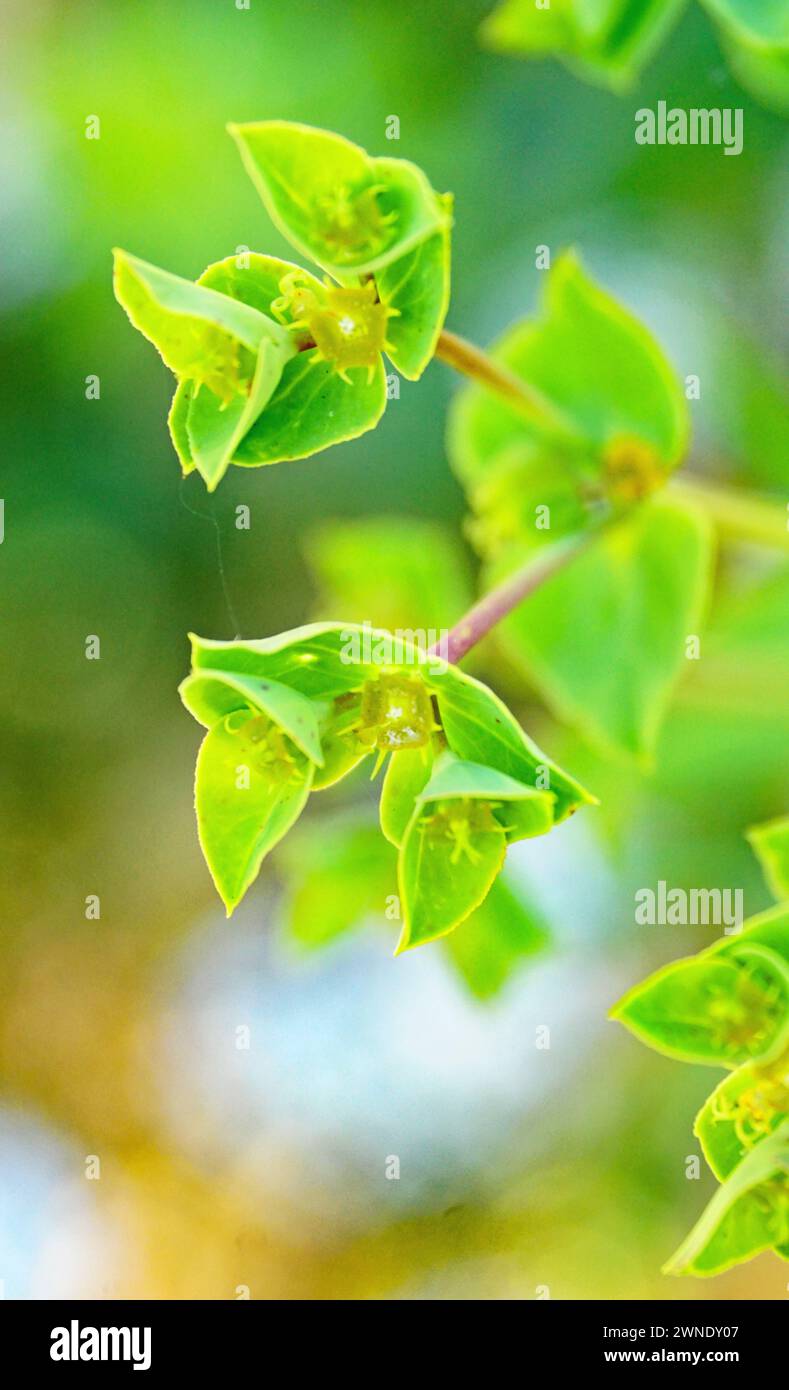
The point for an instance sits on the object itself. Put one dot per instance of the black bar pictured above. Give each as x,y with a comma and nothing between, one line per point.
269,1339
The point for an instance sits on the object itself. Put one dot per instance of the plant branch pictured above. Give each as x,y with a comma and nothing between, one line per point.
530,403
737,515
490,610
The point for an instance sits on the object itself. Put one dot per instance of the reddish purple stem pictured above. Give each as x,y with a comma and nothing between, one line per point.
490,610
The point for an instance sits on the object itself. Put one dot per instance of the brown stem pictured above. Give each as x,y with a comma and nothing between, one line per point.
471,361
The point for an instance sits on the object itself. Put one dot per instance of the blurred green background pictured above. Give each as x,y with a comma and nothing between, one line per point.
264,1168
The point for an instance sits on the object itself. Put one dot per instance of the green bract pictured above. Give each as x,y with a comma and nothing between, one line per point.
729,1006
455,840
625,428
341,873
372,222
770,843
296,713
610,41
722,1007
607,41
272,362
749,1213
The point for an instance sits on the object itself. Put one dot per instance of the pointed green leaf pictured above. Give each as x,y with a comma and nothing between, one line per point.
211,695
227,354
448,860
406,776
342,751
312,409
763,23
176,422
215,431
596,364
717,1009
481,729
749,1212
455,842
770,842
416,288
317,659
340,872
190,324
521,810
330,661
503,931
770,929
746,1107
251,785
347,212
605,41
605,638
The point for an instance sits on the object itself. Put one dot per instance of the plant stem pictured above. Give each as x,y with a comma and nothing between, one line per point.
496,605
738,515
473,362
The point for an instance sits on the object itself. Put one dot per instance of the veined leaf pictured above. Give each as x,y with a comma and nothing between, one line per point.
770,842
188,323
719,1009
749,1212
251,785
216,431
605,638
349,213
319,659
312,410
